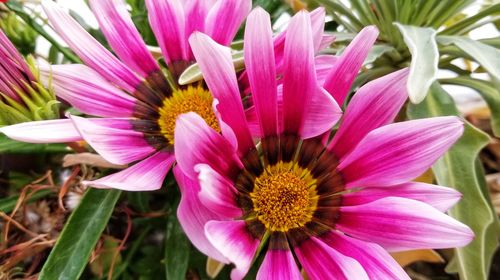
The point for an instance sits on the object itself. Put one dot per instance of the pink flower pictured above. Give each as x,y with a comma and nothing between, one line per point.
135,105
335,206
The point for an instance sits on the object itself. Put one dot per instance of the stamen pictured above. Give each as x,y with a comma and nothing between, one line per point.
191,99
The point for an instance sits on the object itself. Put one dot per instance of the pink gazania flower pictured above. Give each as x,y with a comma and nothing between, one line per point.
332,208
129,92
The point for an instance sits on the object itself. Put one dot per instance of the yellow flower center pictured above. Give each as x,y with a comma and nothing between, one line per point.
284,197
191,99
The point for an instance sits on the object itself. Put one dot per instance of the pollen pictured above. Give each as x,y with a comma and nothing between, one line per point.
284,197
191,99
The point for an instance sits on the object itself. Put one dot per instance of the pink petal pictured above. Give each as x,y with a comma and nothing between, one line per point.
211,147
259,61
119,30
299,80
196,12
339,81
399,152
235,242
323,262
279,265
374,104
217,193
321,115
225,18
193,215
53,131
441,198
218,71
114,139
317,26
146,175
89,49
9,50
324,63
400,224
87,91
167,20
377,263
326,41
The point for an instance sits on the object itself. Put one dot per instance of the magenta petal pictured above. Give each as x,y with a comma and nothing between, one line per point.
211,147
374,104
87,91
399,152
340,79
115,22
193,215
317,27
114,139
399,224
167,21
53,131
324,63
323,262
146,175
259,61
224,19
441,198
235,242
279,265
196,12
321,115
218,71
217,193
377,263
89,49
299,76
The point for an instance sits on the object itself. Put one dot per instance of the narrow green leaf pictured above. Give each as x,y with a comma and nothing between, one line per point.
486,56
488,91
14,147
457,169
70,255
376,52
193,73
8,204
425,58
176,250
457,27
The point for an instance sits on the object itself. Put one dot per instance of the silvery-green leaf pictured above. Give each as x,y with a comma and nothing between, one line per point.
424,62
193,73
486,56
376,52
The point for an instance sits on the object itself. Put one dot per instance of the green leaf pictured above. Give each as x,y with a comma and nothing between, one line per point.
14,147
8,204
458,27
70,255
487,56
193,73
488,91
176,250
458,169
377,51
425,58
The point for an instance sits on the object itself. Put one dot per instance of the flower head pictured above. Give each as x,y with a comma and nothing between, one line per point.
337,206
22,97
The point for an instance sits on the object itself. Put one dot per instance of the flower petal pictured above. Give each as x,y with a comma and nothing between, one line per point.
89,49
217,193
441,198
218,71
339,81
114,139
399,152
321,115
299,76
167,20
52,131
87,91
146,175
324,63
377,263
400,224
225,18
235,242
193,215
259,61
119,30
211,147
323,262
374,104
279,265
